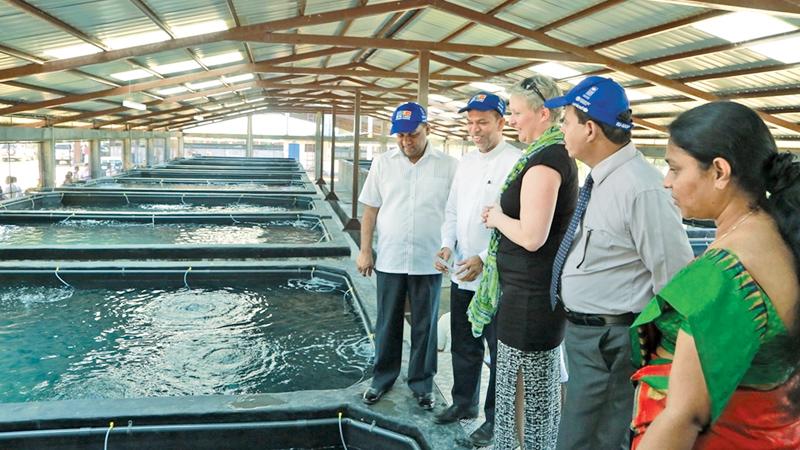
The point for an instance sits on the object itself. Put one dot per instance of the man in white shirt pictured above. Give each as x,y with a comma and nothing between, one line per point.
625,241
465,239
404,199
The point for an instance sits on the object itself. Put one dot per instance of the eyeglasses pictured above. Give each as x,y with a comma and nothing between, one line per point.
530,85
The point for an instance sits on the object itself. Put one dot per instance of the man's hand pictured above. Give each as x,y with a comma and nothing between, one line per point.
469,269
443,254
365,263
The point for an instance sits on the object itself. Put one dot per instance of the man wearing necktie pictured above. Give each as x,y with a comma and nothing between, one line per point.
624,242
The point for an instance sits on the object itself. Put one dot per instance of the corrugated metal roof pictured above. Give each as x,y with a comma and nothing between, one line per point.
533,15
676,41
432,25
608,23
251,12
113,19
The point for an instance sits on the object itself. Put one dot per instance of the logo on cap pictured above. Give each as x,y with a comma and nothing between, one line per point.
479,98
403,115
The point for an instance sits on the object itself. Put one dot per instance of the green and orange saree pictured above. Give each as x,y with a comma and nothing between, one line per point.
744,351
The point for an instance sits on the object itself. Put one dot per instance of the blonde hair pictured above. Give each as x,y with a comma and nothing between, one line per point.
546,86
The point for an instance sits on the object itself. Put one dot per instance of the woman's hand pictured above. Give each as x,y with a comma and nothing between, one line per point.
492,215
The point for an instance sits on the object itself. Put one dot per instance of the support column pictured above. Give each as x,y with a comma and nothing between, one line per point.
47,164
150,152
353,223
127,157
424,73
95,169
167,149
181,152
318,148
249,151
331,194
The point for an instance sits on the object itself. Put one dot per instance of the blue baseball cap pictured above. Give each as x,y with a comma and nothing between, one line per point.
602,99
485,101
407,117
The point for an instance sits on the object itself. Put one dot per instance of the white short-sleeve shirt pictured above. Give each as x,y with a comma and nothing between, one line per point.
411,199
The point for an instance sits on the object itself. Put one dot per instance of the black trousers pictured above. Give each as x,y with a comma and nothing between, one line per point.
467,352
423,293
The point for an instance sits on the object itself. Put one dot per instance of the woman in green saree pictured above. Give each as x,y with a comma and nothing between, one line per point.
718,346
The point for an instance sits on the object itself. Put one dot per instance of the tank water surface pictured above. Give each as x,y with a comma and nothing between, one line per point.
132,339
174,207
112,232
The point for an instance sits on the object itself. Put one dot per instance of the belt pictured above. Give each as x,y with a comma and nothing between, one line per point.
600,320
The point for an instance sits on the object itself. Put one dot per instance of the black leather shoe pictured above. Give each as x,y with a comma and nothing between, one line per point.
453,413
372,395
483,436
425,401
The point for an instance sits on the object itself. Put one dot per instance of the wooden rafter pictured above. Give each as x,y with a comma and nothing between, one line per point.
549,26
593,56
58,23
657,29
790,8
174,99
412,45
147,85
704,51
234,34
380,32
405,20
341,31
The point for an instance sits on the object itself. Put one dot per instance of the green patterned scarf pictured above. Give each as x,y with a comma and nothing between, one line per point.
484,303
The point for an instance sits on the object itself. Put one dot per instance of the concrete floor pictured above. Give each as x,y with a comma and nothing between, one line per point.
444,376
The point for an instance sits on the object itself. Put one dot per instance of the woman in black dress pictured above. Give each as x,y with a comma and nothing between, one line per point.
533,215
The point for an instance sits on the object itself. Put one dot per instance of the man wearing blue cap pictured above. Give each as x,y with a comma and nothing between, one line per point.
465,238
624,242
404,198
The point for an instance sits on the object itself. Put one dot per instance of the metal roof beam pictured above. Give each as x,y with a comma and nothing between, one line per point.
592,56
147,11
411,45
775,7
550,26
405,20
361,73
701,52
234,34
123,90
19,54
387,24
333,87
657,29
58,23
579,15
238,23
341,31
467,67
302,99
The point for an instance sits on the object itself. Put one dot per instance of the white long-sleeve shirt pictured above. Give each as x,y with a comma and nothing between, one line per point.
476,185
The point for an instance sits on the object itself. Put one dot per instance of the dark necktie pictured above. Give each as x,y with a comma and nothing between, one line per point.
566,242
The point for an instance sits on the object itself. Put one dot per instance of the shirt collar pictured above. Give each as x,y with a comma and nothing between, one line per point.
607,166
398,152
495,152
